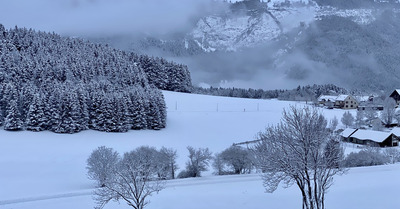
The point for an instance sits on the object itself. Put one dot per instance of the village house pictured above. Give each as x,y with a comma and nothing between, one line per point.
327,100
346,102
341,101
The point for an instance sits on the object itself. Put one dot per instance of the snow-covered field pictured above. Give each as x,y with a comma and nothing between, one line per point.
47,170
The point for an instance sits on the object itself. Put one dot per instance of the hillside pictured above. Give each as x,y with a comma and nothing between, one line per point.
251,44
51,171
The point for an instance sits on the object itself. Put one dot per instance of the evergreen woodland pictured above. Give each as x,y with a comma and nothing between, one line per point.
65,85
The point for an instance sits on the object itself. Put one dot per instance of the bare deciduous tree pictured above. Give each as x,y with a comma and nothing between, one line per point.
101,164
389,110
218,165
333,123
370,115
347,119
359,121
134,181
199,160
393,154
169,155
300,150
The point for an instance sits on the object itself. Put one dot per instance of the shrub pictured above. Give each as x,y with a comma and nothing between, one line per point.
366,157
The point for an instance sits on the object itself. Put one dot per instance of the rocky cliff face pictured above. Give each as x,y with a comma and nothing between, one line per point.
290,42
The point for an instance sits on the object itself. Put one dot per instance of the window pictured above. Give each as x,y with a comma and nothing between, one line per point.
351,106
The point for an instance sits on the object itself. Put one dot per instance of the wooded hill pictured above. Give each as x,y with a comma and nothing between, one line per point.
65,85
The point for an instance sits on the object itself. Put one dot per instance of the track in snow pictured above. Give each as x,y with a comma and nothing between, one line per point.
170,184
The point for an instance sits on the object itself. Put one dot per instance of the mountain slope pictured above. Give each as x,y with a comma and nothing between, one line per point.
283,44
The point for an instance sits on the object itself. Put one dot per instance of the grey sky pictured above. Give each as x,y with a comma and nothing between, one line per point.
100,17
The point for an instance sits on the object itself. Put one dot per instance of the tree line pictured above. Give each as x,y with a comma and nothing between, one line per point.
65,85
301,93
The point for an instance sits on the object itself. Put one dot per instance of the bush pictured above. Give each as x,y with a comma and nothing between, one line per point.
366,157
199,160
185,174
238,160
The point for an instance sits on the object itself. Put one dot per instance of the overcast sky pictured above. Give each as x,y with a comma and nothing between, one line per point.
100,17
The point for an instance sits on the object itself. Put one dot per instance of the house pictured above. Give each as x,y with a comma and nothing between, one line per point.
367,103
396,131
374,138
396,96
327,100
346,102
341,101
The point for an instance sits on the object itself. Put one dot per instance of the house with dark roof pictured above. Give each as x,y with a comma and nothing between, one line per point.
396,96
371,138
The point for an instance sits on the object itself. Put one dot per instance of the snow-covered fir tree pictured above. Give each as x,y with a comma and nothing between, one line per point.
12,121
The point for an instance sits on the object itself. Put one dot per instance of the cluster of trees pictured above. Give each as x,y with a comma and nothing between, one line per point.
371,156
131,178
301,93
70,108
164,74
48,82
233,160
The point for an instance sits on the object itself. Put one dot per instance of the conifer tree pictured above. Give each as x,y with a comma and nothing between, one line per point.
36,119
12,121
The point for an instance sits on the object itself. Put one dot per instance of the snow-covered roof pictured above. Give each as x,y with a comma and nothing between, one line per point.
363,98
347,132
327,98
341,97
396,131
376,136
397,91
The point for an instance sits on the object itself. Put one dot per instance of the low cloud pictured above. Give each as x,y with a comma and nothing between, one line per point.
102,17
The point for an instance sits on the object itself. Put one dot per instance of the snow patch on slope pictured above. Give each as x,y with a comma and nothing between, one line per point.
229,32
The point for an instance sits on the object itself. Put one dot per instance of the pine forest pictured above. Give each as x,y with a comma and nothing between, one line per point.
66,85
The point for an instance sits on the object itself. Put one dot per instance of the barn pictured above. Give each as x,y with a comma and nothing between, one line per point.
374,138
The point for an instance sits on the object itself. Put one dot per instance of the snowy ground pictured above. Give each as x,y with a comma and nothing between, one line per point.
47,170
